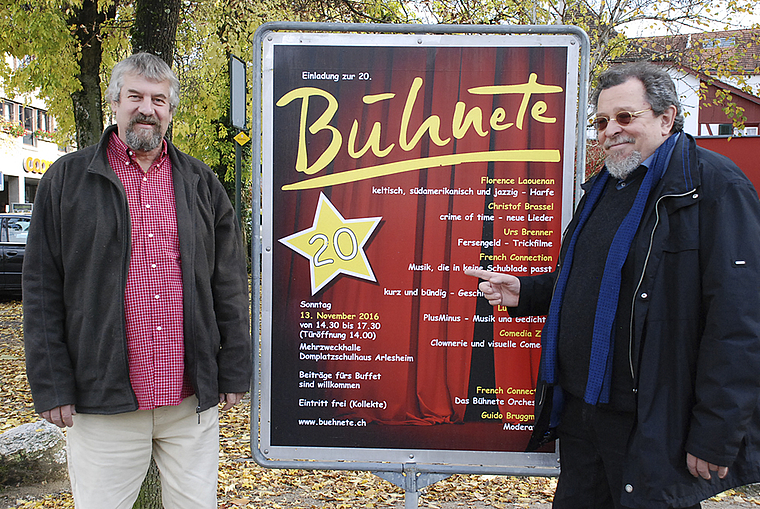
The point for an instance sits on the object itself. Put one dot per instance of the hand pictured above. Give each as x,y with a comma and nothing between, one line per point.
701,468
60,416
497,288
230,399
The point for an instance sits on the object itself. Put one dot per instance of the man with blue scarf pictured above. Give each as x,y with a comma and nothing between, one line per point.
650,367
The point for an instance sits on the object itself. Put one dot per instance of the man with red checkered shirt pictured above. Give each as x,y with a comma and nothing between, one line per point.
136,303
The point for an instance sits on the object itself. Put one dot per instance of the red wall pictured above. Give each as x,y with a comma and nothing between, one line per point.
710,113
744,151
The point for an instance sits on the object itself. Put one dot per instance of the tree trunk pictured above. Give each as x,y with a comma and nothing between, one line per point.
150,491
87,102
155,31
155,28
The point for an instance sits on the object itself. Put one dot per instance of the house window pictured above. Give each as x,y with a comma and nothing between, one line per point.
725,129
30,118
42,120
29,126
719,42
9,111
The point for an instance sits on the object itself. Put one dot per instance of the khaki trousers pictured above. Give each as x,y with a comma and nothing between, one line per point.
108,456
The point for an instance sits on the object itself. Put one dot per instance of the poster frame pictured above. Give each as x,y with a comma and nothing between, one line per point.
422,461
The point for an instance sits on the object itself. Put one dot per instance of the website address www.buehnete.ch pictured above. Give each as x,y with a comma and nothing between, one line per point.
331,422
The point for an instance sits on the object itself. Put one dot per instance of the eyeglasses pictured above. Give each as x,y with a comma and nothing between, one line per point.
623,118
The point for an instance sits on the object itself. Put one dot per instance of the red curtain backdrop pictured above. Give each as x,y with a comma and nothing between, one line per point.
436,387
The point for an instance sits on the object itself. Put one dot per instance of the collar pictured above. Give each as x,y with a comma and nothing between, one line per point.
183,166
683,174
632,177
119,149
638,172
674,182
648,161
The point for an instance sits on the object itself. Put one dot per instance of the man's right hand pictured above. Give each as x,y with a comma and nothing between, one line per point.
60,416
498,288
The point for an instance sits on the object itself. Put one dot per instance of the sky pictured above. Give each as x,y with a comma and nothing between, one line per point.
647,29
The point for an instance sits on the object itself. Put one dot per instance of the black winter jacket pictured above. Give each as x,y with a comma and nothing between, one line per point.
695,345
75,273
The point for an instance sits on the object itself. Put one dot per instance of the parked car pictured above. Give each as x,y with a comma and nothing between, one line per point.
13,231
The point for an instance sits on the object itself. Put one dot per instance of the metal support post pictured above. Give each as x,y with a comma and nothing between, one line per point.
412,481
238,183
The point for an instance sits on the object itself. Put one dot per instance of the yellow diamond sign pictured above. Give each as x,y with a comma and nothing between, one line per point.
242,138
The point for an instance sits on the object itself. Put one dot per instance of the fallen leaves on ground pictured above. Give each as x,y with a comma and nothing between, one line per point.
15,396
244,484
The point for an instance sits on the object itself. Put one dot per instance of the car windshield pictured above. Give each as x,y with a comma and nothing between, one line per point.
18,229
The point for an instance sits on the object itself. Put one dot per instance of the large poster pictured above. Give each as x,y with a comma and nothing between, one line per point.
391,165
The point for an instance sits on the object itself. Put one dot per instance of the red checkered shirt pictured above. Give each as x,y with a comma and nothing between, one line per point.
153,298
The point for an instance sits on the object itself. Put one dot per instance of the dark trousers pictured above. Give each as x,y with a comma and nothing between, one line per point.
592,445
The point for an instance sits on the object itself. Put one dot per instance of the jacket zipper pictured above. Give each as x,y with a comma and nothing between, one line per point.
641,279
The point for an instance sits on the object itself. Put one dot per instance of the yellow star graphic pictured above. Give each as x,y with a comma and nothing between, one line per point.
334,245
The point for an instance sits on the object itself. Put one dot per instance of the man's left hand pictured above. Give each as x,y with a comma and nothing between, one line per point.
701,468
230,399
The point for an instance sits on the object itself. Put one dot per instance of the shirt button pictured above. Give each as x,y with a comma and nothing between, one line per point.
158,328
156,297
147,205
153,265
629,488
644,295
150,235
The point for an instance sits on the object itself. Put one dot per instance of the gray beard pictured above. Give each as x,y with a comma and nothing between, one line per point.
146,142
621,168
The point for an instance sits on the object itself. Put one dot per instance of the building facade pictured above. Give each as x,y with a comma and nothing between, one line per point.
27,149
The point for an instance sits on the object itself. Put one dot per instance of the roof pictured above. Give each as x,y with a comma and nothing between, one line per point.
725,52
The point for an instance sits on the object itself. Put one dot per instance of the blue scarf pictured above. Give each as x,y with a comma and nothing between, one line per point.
600,365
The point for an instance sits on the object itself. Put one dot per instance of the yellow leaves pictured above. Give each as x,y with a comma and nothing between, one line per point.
61,501
15,396
245,485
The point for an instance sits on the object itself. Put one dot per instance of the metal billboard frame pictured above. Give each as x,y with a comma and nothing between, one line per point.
412,471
